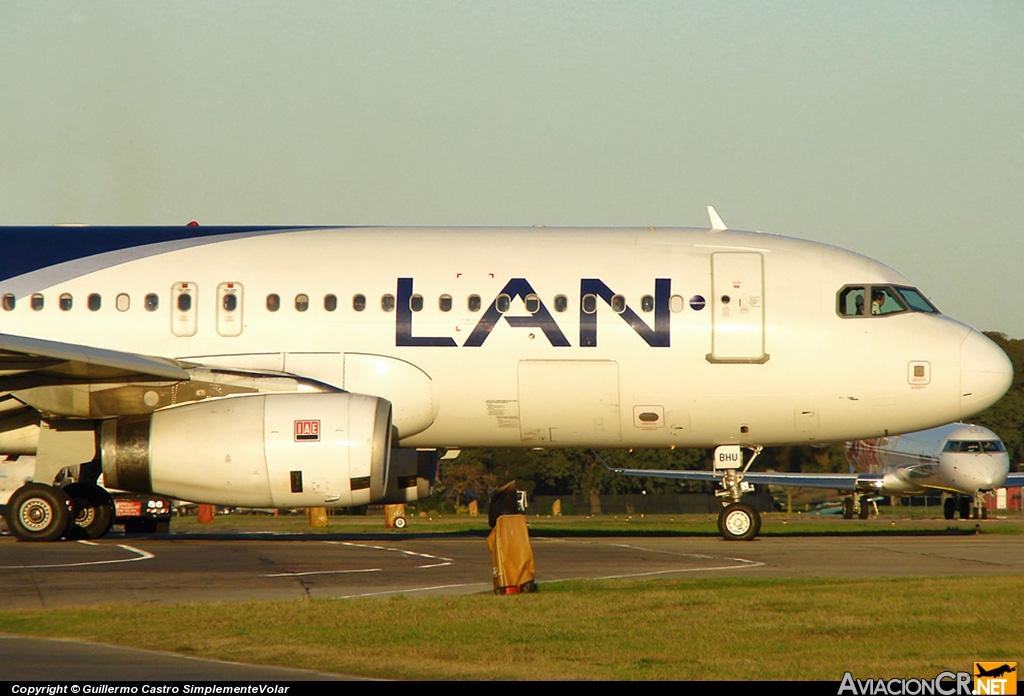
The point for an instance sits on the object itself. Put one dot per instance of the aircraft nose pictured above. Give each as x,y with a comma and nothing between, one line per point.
980,472
985,373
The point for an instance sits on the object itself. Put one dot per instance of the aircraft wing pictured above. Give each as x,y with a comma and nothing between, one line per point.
775,478
1014,479
31,362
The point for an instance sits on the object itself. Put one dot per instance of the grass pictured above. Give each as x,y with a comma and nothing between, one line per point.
669,629
691,628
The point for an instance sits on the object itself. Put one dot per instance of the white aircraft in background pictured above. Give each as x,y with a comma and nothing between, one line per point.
964,460
299,367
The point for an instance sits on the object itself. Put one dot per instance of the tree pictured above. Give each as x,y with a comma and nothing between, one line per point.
1006,417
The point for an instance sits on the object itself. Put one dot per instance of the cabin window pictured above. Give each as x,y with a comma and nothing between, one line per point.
359,302
647,303
416,303
229,315
273,302
36,302
532,303
387,303
561,303
301,302
618,303
473,303
676,303
330,302
444,303
151,302
122,302
64,302
8,302
589,303
94,302
503,302
184,303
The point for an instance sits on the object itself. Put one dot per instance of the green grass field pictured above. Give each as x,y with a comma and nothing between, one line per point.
668,629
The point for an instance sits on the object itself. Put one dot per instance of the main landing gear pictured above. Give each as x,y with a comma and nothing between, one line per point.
966,506
37,512
856,506
737,521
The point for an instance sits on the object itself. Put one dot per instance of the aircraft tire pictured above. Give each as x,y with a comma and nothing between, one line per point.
865,508
739,522
965,508
37,512
92,511
949,508
848,508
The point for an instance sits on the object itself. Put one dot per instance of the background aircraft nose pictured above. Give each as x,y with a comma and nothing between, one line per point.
985,373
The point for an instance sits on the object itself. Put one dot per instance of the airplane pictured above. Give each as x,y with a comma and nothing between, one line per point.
996,671
964,460
308,366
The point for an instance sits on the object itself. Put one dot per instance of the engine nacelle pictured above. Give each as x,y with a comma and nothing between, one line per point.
263,450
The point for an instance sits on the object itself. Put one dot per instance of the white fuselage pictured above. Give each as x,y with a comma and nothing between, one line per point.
738,341
957,458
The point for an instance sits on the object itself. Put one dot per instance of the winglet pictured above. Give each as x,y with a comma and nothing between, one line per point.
716,221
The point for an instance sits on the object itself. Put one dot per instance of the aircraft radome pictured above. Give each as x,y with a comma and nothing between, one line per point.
295,367
964,460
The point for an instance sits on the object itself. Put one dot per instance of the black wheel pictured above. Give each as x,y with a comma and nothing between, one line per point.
949,508
36,512
965,508
92,511
865,508
848,508
162,527
399,523
739,522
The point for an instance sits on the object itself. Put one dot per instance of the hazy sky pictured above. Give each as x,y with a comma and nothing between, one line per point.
891,128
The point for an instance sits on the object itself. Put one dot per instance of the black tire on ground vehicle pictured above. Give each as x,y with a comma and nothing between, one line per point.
162,527
92,511
739,522
36,512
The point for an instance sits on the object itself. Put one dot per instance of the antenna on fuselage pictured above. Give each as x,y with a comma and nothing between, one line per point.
716,220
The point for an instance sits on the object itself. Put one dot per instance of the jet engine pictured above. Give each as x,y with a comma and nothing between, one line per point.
261,450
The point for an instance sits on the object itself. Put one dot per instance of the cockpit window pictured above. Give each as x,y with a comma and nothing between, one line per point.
880,300
916,301
974,446
884,300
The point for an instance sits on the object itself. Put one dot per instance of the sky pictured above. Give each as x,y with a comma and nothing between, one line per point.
895,129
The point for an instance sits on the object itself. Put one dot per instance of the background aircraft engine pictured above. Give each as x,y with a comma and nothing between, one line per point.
264,450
